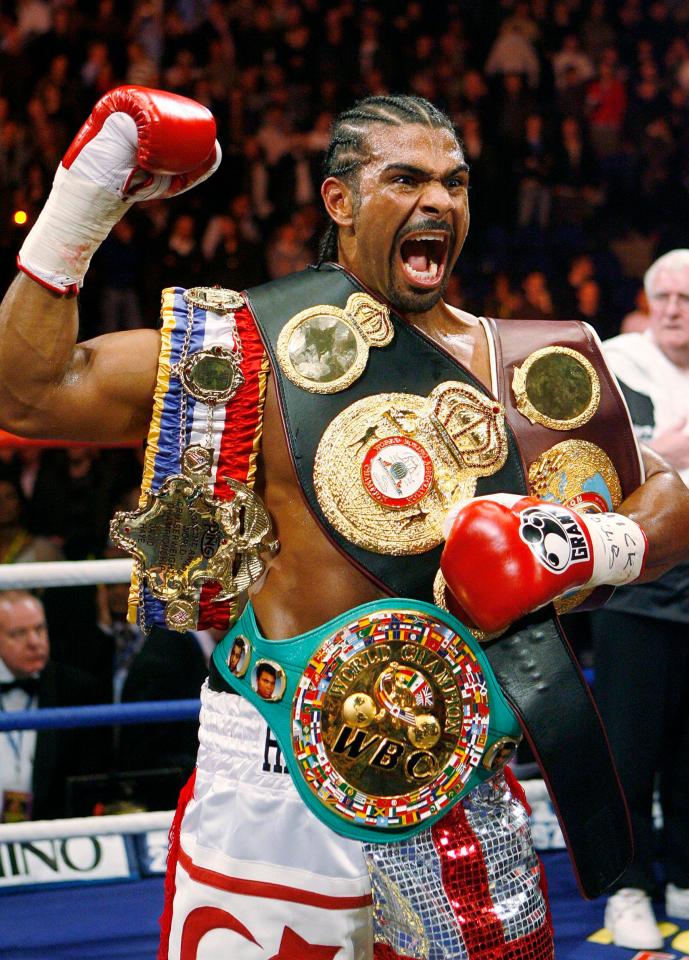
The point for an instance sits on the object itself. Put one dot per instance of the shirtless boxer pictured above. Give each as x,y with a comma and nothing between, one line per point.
257,874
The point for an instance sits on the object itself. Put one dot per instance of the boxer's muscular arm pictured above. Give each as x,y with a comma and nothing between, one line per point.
51,387
661,508
137,144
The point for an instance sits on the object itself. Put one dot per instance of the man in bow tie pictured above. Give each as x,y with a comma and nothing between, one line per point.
34,765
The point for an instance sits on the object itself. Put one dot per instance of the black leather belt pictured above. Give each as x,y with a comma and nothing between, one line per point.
410,364
537,670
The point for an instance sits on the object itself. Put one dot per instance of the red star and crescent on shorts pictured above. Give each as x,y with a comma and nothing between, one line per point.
293,947
397,472
204,919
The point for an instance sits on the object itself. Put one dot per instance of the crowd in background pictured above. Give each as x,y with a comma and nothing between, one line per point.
573,114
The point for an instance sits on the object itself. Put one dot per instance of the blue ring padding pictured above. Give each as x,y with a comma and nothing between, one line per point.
101,715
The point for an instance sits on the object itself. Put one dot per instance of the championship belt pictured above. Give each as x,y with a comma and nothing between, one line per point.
384,428
387,715
385,431
574,429
200,535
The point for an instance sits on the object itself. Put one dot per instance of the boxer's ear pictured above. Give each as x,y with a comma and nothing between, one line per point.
338,200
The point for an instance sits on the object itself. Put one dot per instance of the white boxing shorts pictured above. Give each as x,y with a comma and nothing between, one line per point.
257,876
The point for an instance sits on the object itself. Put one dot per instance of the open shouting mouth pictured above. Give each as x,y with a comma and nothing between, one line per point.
423,256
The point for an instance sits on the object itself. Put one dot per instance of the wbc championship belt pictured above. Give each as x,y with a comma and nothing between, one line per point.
387,715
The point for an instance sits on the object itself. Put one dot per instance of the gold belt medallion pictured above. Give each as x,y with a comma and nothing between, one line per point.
389,466
325,349
577,474
557,387
391,716
183,537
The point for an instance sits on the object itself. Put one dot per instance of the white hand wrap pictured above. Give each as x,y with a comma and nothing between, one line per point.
74,222
89,197
619,548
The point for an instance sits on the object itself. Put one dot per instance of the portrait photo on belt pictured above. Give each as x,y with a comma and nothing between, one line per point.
388,501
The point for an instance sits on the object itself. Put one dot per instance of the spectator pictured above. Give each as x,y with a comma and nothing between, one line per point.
570,97
219,71
581,268
474,97
17,543
575,191
119,261
110,650
34,766
590,308
235,263
534,170
641,653
503,301
488,196
647,101
141,69
132,667
15,154
512,52
513,105
536,302
606,106
571,62
636,321
286,253
522,23
33,18
182,260
71,500
156,675
16,66
597,32
181,76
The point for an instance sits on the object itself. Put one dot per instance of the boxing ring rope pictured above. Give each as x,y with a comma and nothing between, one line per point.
109,825
100,715
69,573
85,573
63,573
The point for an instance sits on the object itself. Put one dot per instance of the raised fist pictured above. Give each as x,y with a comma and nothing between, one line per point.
138,144
507,555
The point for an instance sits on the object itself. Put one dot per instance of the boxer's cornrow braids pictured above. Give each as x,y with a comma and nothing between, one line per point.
348,147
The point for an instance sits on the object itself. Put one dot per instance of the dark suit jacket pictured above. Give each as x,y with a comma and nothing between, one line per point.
169,666
63,753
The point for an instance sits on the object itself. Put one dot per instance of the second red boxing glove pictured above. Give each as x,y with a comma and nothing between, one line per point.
507,555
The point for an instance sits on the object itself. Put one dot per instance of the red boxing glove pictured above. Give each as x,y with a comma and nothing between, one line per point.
138,144
507,555
172,136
